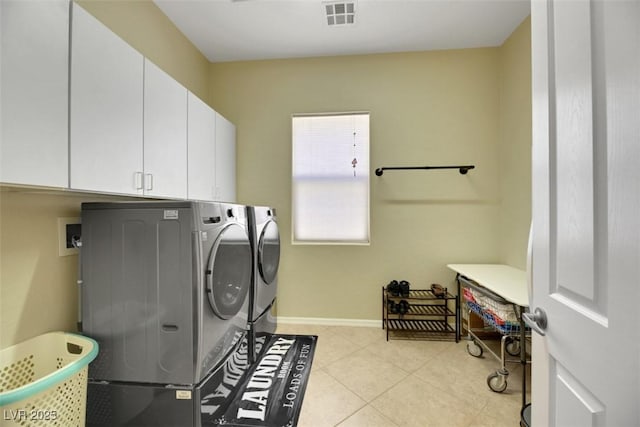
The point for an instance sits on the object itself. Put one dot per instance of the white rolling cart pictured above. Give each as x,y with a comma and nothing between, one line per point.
498,294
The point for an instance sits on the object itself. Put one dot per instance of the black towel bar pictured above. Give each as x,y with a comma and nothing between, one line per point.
462,169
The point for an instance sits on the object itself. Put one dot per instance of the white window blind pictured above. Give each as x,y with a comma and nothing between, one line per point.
331,178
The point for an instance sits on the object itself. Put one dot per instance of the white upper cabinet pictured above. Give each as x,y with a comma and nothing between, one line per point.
106,147
225,160
211,141
165,134
34,76
82,109
201,136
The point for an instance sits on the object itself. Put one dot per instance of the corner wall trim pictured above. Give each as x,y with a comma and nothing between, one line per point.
369,323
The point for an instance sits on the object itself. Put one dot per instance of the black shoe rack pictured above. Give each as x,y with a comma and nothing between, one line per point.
420,314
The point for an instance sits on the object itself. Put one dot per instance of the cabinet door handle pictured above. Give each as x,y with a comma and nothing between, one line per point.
138,180
148,179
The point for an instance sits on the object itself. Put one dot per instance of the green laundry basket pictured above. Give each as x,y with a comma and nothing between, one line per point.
43,381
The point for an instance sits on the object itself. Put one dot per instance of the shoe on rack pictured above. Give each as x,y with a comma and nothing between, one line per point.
392,307
438,290
403,307
404,288
393,288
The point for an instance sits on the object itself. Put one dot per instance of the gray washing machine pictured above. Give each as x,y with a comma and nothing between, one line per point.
165,288
265,240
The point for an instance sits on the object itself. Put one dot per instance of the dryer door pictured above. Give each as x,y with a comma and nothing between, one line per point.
269,252
229,271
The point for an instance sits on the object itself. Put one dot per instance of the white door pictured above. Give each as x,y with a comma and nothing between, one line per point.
201,140
165,134
34,92
586,212
106,109
225,159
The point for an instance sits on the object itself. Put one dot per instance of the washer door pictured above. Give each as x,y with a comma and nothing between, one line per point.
229,271
269,252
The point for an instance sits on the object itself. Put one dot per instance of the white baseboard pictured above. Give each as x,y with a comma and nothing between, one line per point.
329,322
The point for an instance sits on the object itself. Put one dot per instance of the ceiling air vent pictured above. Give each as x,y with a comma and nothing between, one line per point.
340,12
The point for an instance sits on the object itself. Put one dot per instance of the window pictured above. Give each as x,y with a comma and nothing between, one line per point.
331,178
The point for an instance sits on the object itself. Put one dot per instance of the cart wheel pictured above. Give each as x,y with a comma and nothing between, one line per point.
513,346
497,382
474,349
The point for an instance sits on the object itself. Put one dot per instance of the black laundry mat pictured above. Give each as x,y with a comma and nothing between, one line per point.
271,392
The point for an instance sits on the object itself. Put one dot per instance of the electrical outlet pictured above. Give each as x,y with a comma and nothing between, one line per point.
69,229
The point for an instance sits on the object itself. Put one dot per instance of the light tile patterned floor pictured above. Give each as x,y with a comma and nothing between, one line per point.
358,379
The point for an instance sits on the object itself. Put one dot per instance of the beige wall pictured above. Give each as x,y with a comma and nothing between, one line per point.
515,145
447,107
38,291
429,108
38,287
35,284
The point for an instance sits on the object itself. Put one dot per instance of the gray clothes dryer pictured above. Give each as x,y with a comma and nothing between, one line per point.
165,288
265,238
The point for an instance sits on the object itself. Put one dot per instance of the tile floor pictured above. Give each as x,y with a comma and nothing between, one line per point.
358,379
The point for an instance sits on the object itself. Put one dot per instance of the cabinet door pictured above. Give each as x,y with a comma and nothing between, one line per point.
106,109
201,136
165,134
225,159
34,100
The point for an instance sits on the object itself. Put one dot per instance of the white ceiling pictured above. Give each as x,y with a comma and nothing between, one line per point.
237,30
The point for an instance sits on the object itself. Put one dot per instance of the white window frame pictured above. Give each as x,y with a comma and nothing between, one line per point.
362,168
